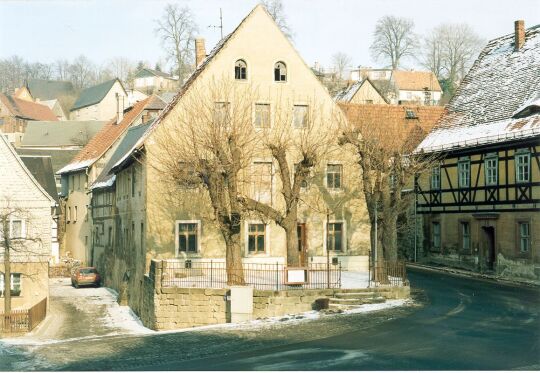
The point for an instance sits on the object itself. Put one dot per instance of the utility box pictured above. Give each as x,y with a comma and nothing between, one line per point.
241,303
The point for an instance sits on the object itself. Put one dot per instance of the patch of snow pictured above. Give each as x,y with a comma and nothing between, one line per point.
104,184
354,280
76,166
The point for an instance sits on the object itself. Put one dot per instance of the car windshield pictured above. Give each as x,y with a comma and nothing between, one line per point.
87,271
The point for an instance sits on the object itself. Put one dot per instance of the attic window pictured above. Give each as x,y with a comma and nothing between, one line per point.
240,70
410,114
280,72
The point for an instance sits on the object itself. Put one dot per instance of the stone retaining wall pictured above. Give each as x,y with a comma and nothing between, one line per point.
167,308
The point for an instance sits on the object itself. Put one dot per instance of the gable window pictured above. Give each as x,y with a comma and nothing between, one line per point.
15,284
491,165
436,178
523,168
256,238
464,173
262,116
17,229
300,116
334,173
240,70
524,236
465,233
221,113
436,235
334,240
188,233
280,72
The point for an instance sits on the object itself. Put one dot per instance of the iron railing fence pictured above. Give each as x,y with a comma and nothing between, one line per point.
21,321
388,273
213,274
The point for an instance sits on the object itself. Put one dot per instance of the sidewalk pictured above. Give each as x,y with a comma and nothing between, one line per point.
466,273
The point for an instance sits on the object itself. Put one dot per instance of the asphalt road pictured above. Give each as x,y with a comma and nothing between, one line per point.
458,323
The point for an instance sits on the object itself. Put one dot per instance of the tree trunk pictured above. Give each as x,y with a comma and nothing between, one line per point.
7,280
291,233
390,236
235,269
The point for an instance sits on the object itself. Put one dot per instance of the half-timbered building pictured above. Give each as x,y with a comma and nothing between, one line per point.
481,203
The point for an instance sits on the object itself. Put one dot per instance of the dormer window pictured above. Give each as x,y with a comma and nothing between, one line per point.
410,114
240,70
280,72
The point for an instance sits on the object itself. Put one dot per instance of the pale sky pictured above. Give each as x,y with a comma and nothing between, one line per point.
43,30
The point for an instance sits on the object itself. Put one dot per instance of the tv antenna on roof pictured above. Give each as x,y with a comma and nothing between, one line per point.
220,23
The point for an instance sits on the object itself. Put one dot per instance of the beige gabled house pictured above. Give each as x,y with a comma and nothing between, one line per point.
151,220
361,92
28,209
100,102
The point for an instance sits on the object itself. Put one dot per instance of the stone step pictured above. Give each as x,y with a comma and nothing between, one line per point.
357,301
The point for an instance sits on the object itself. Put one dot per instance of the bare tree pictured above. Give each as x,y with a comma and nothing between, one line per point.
276,10
384,157
18,242
120,67
62,69
204,148
341,62
82,72
297,142
176,28
450,50
393,40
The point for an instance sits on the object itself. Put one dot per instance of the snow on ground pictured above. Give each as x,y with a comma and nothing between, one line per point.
354,280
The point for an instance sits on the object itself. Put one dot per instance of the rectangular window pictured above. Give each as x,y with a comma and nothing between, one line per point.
68,214
256,237
491,165
524,237
221,113
15,284
300,116
334,241
133,181
262,181
334,173
17,229
142,236
522,160
464,174
436,234
110,237
262,116
436,178
465,235
71,183
75,212
188,237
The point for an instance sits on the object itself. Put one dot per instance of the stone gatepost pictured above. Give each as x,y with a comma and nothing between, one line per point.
241,303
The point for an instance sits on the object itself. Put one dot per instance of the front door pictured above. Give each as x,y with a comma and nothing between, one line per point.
302,247
489,242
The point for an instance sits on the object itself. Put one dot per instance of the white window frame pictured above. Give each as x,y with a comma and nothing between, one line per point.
177,241
343,239
272,183
247,69
460,173
462,225
12,283
23,228
270,114
436,176
341,181
526,237
303,105
518,164
248,253
438,223
491,172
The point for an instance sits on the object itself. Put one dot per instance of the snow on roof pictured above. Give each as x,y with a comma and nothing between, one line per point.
76,166
501,84
348,93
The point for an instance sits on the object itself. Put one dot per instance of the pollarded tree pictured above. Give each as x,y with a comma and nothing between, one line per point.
205,146
393,40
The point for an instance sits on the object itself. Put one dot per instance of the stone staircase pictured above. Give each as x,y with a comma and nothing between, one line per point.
345,300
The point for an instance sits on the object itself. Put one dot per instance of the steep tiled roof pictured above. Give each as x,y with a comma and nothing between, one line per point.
496,100
41,168
104,139
415,80
26,109
348,93
49,89
396,127
93,95
133,134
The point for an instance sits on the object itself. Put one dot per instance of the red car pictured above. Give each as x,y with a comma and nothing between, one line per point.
85,276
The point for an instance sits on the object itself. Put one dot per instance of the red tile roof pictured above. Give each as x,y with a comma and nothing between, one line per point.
26,109
415,80
390,124
106,137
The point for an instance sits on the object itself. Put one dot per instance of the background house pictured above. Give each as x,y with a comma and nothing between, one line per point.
419,87
149,81
15,114
361,92
481,203
100,102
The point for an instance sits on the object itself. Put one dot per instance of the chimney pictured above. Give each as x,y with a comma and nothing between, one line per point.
200,51
119,108
519,27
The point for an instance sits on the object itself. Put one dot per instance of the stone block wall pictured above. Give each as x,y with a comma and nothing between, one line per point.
267,303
